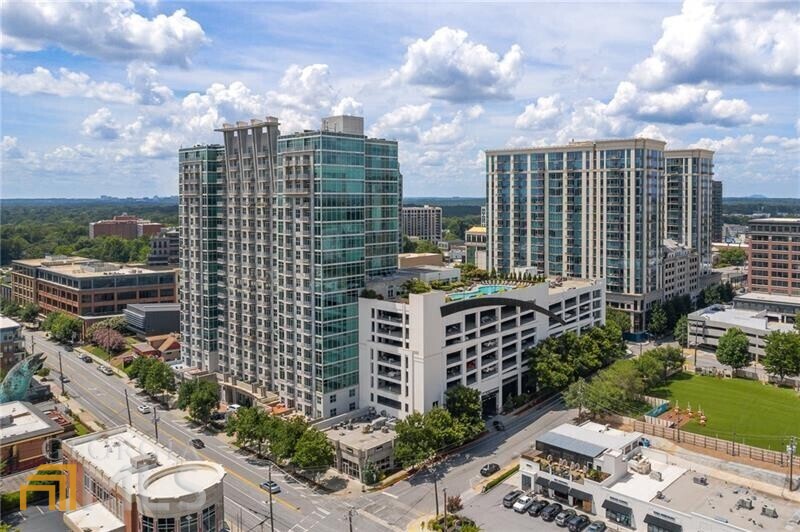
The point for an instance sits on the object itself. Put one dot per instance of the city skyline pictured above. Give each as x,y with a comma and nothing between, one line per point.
446,83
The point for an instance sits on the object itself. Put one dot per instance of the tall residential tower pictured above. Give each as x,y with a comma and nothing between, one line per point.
307,219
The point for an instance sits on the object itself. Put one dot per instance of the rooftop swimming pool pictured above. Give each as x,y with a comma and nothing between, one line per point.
482,290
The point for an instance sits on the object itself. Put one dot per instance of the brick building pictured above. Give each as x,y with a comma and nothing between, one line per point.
89,289
774,256
23,433
124,226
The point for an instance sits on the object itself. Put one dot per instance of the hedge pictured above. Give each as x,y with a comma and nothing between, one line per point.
495,481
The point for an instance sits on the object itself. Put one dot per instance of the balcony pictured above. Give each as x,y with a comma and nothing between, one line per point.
389,373
391,387
387,358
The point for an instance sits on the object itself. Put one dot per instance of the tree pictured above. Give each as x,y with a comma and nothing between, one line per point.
443,428
454,504
797,322
159,378
285,436
620,318
10,308
782,353
416,286
575,396
313,450
200,398
62,327
731,257
464,404
651,369
671,358
139,369
251,426
657,322
734,349
414,443
681,331
116,323
28,312
108,339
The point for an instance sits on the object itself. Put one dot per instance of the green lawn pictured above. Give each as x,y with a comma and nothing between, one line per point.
762,416
97,351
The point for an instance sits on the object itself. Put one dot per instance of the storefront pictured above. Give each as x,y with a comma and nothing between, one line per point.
618,513
581,499
656,523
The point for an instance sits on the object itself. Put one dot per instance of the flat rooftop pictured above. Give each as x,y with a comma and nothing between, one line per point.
94,518
26,421
154,307
568,284
596,435
776,220
90,269
8,323
768,298
113,452
718,500
358,439
645,487
751,319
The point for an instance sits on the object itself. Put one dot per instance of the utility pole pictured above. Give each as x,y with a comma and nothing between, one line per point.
436,492
155,420
350,518
444,493
61,371
128,408
791,449
271,520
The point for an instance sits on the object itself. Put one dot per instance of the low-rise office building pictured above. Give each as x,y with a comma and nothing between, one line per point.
613,474
707,325
780,308
24,432
365,440
124,226
153,318
12,346
89,289
126,480
774,257
413,347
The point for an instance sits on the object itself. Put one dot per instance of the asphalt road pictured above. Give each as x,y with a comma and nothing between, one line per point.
299,508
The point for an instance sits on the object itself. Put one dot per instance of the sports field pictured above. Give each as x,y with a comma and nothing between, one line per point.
762,416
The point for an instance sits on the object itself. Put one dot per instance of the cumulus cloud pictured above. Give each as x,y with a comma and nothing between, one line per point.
785,143
143,78
305,89
454,68
101,125
106,30
65,84
590,119
651,131
347,106
542,113
10,148
683,104
719,41
453,130
761,151
725,145
401,123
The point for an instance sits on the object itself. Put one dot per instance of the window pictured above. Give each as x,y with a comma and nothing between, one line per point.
353,392
210,518
189,523
166,524
332,398
352,406
333,412
147,524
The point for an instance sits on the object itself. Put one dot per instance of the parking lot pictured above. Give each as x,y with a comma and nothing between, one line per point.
488,512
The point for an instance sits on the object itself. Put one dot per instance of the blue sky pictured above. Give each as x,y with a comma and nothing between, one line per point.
98,96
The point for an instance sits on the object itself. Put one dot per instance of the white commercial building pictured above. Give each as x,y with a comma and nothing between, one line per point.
127,481
615,475
413,348
707,325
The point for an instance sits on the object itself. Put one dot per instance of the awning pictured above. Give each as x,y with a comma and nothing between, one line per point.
662,523
608,504
559,487
581,495
541,481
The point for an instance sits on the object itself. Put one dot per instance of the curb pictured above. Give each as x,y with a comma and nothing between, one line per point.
100,361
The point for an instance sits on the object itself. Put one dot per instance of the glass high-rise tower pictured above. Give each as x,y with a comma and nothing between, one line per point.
308,218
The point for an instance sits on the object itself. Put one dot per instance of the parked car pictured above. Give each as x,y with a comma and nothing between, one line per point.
511,497
537,507
597,526
563,517
498,425
489,470
105,370
87,359
522,504
68,348
144,409
197,443
64,379
578,523
270,486
551,511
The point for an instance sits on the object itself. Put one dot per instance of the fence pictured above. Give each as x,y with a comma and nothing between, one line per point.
708,442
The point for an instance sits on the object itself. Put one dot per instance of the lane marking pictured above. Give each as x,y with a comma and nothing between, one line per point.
392,495
323,511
